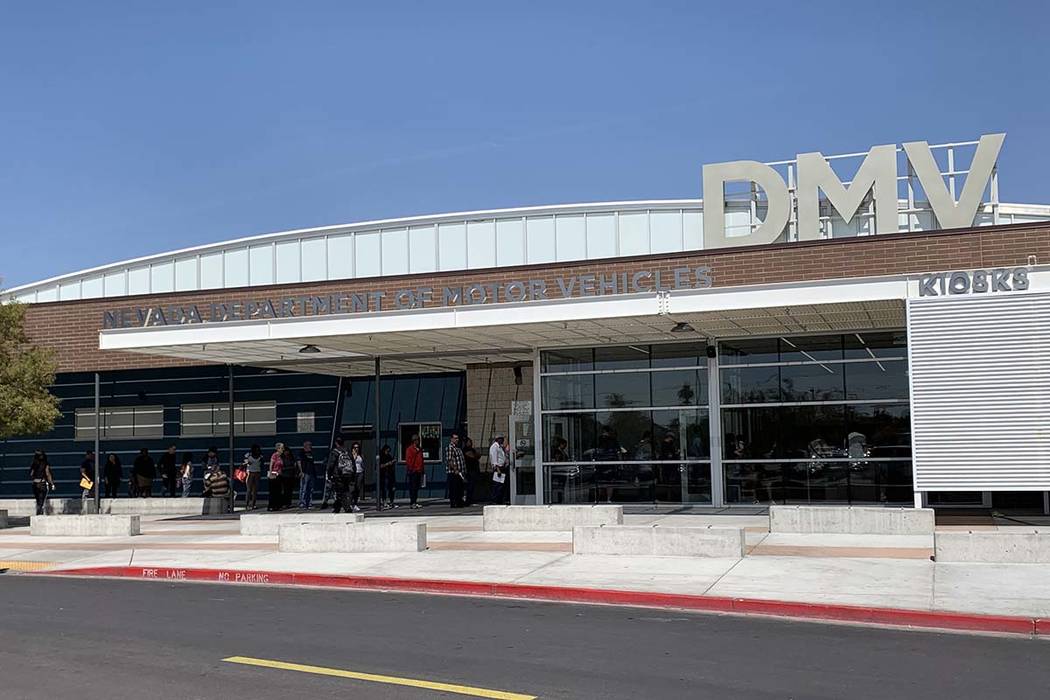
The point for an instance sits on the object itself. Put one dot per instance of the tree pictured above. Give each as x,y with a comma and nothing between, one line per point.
27,372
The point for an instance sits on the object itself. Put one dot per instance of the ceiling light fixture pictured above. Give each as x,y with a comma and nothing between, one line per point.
682,327
309,349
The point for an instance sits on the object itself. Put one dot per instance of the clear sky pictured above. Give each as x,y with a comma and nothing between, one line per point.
139,127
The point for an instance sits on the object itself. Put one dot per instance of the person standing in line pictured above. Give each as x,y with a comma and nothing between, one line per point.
43,481
289,477
308,469
499,462
472,471
145,472
216,481
387,477
253,460
359,477
273,478
340,471
87,476
414,466
454,466
169,471
186,474
114,473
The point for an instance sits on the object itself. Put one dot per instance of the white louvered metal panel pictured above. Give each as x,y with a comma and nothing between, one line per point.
980,392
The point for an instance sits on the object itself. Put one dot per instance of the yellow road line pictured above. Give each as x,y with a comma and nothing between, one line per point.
26,565
374,678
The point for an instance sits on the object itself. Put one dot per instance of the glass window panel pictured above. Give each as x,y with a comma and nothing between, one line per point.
811,432
568,360
510,242
634,233
621,357
877,380
314,265
91,288
540,239
601,236
366,254
679,355
260,260
568,391
571,237
860,346
622,435
481,244
807,348
114,284
422,249
678,388
693,224
185,274
452,241
683,434
665,234
340,257
748,351
750,433
395,252
47,294
753,483
288,260
162,277
138,280
211,271
881,482
570,437
750,384
879,430
235,267
119,422
69,291
816,482
822,382
620,390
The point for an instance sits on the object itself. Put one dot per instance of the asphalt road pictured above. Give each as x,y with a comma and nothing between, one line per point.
90,639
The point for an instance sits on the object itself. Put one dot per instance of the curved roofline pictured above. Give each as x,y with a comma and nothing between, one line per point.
1040,210
372,224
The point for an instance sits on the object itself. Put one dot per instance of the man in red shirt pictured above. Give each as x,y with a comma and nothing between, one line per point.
414,464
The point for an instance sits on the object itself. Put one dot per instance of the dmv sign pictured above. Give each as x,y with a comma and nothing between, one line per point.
877,175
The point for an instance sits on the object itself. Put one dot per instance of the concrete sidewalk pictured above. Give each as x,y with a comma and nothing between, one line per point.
848,570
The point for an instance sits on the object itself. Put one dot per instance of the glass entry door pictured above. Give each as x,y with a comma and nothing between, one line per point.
522,438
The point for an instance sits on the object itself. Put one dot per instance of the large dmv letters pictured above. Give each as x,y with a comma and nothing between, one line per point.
877,174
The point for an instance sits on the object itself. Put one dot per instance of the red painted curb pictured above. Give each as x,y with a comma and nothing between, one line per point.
751,606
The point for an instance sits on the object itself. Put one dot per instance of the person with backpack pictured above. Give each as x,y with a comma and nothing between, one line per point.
340,470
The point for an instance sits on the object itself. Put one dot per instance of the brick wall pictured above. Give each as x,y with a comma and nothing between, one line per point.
490,391
71,327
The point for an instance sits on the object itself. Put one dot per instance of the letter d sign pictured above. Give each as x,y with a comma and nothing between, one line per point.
716,176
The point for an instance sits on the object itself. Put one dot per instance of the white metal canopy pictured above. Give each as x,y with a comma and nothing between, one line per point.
450,338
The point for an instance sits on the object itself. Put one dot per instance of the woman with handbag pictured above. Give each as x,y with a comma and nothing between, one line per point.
253,460
273,479
87,476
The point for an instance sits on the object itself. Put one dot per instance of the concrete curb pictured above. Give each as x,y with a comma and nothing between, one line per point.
897,617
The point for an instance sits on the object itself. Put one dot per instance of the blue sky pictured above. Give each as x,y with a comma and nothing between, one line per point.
133,128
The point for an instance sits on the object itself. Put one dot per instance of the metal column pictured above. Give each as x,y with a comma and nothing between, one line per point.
379,404
98,435
537,428
233,492
714,418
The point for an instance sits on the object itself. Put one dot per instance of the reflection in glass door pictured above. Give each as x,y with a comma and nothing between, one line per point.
522,437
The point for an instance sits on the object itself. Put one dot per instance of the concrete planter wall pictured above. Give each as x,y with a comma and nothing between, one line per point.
270,523
549,518
851,520
352,538
1029,547
659,541
84,525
